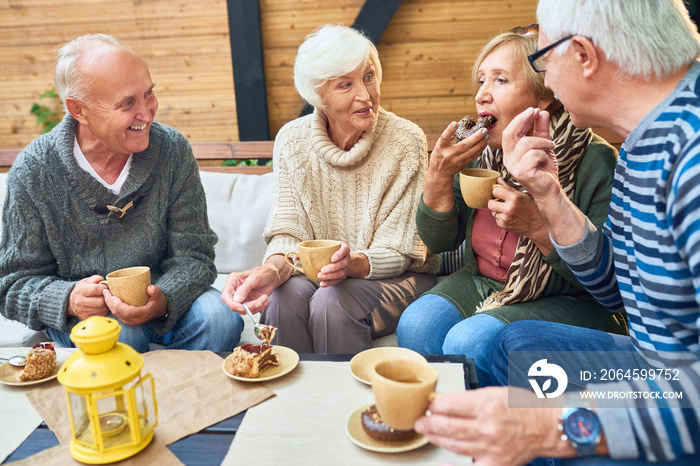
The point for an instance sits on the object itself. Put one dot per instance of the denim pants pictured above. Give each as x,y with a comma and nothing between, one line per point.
552,337
432,325
208,325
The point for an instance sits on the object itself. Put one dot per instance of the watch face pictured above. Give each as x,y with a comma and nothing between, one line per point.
582,426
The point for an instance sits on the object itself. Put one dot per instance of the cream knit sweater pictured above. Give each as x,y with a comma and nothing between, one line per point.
367,196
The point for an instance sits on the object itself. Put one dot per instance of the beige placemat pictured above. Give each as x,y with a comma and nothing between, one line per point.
191,390
305,423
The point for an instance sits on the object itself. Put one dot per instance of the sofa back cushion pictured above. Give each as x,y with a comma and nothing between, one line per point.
238,205
3,191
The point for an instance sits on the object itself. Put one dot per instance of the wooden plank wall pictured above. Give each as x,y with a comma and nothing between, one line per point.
426,51
184,43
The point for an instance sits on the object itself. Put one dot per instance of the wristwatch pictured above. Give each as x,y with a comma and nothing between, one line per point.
579,425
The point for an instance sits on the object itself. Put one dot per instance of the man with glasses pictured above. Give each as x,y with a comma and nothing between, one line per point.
632,67
111,188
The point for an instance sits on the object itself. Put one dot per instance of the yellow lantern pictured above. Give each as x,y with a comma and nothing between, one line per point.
112,408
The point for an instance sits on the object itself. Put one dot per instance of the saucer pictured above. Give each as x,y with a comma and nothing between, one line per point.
362,363
287,358
359,437
9,375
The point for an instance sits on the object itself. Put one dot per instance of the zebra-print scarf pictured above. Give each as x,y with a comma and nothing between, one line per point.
529,272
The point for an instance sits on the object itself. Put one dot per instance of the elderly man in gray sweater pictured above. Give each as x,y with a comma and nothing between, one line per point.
110,188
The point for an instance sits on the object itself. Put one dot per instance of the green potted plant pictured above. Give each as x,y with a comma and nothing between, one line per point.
47,116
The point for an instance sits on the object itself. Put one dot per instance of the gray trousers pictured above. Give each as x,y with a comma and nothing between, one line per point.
342,318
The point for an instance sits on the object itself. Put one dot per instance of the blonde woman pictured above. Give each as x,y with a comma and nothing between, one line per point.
513,272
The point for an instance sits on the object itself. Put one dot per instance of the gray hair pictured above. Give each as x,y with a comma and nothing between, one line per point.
331,51
66,77
644,38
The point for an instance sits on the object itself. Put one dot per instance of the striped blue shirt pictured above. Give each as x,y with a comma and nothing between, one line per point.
646,259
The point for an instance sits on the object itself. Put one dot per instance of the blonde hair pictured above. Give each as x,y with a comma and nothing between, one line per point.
523,45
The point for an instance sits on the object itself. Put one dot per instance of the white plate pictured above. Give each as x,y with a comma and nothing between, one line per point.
359,437
287,358
9,375
363,362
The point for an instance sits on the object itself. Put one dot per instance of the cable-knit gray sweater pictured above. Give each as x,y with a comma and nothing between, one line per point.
52,237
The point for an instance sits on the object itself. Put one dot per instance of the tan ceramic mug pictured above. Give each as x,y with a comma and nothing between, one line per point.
313,255
477,186
130,284
403,389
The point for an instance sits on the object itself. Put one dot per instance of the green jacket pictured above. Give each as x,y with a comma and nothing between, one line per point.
445,231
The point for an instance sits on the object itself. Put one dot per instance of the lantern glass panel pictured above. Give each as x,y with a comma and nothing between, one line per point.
81,420
113,416
144,392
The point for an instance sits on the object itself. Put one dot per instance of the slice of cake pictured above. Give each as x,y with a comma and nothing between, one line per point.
41,363
250,360
267,333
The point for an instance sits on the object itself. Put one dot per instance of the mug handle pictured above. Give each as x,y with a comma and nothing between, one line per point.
104,282
291,263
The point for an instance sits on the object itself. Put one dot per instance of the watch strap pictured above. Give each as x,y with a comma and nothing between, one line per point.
574,402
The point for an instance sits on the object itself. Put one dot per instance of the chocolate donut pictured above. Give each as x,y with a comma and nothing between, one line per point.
468,125
374,427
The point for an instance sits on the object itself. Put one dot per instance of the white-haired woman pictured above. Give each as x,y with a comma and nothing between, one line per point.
353,172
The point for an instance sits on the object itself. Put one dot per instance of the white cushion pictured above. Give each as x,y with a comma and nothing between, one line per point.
3,191
15,334
238,206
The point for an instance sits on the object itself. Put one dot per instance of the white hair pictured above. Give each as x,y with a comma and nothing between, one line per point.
331,51
66,78
644,38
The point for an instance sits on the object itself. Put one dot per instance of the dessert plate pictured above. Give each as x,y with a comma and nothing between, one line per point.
9,375
359,437
362,363
288,360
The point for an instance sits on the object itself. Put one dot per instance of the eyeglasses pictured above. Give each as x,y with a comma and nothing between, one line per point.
529,30
537,59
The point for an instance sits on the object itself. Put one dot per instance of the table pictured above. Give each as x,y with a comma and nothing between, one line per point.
210,446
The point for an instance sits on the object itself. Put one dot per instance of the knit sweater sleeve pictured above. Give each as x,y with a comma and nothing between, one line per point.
444,231
30,290
288,222
396,245
188,267
594,179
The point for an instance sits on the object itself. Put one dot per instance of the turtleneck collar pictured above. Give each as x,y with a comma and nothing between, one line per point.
333,154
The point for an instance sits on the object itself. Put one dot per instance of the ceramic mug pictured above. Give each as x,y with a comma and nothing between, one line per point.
313,255
130,284
403,389
477,186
